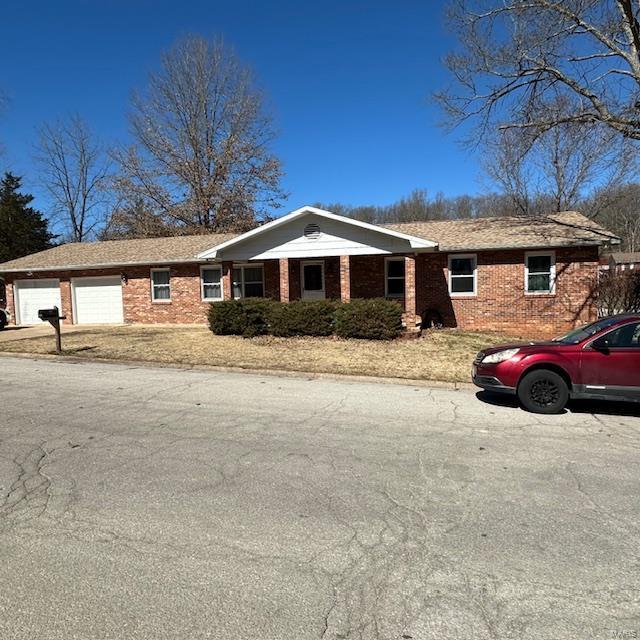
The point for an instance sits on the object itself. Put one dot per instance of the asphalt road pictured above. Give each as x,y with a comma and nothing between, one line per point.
157,503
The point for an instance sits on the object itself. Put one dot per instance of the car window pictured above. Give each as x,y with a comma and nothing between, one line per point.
578,335
627,336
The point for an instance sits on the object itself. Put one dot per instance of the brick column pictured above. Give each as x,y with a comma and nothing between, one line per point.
65,300
9,292
410,292
227,280
284,279
345,278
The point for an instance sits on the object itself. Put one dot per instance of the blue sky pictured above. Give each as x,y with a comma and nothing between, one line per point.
349,84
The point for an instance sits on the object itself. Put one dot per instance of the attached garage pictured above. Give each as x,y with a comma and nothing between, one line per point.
97,300
32,295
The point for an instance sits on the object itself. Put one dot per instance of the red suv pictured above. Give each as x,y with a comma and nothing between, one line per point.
600,361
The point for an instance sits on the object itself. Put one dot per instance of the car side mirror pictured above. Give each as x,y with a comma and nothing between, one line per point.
601,344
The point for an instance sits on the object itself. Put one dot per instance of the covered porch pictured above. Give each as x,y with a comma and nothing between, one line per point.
313,254
326,278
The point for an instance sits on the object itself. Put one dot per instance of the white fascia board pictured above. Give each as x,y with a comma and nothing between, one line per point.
414,242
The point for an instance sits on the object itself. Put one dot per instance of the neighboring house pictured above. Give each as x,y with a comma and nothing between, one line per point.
520,275
622,261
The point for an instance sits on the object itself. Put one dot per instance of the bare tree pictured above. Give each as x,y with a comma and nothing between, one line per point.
137,220
515,54
201,157
556,169
618,292
618,208
74,170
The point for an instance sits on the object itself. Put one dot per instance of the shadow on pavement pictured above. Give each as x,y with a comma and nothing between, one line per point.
575,406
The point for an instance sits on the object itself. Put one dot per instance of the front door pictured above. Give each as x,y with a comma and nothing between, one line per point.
313,281
612,366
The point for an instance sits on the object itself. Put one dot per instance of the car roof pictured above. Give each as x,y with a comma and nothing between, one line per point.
623,317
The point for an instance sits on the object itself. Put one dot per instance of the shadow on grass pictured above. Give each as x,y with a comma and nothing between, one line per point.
70,352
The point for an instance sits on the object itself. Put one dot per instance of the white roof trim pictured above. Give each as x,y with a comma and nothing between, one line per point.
414,242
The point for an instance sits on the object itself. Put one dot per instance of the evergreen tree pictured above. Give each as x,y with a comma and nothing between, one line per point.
23,230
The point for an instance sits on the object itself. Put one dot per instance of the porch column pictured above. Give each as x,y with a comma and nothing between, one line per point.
227,280
410,292
284,279
345,278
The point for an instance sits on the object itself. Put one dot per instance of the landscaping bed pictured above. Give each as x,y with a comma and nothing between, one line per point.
444,354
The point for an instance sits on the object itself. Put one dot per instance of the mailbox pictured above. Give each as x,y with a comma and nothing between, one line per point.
49,314
53,317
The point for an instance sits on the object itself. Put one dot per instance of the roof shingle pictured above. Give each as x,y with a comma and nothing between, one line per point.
568,228
119,252
558,230
626,257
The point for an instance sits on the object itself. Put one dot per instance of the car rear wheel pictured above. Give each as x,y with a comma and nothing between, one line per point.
3,321
543,391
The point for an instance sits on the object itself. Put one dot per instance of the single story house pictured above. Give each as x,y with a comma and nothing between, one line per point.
519,275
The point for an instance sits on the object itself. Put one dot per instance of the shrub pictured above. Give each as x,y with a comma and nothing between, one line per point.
303,318
375,319
371,319
618,292
248,317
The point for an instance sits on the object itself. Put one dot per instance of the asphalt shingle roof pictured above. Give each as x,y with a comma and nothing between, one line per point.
119,252
568,228
626,257
562,229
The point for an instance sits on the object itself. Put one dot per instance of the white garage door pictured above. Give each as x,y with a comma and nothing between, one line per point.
32,295
97,300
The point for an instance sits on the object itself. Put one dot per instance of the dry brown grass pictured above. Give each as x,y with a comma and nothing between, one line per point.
438,355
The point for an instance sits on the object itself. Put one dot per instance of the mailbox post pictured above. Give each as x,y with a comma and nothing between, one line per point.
53,317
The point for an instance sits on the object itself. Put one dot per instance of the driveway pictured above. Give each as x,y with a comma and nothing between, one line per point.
168,504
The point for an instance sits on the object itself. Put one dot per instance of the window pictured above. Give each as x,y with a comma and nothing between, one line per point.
626,337
462,275
248,282
540,272
211,283
394,277
160,285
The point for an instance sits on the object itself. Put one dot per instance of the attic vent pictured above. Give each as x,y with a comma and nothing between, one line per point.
312,231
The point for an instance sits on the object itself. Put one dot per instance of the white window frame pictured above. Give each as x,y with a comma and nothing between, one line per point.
242,267
153,286
403,278
210,267
552,273
451,276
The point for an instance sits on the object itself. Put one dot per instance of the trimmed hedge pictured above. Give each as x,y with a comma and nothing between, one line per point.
370,319
248,317
303,318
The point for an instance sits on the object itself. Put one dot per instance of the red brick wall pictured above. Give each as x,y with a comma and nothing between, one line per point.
367,277
500,304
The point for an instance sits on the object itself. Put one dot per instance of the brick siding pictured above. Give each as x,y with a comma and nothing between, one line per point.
500,304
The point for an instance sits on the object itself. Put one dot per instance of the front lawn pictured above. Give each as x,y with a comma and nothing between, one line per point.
438,355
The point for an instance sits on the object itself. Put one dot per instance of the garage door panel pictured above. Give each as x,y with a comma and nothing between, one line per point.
33,295
98,300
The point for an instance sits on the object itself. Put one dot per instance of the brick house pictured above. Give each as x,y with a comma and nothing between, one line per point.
518,275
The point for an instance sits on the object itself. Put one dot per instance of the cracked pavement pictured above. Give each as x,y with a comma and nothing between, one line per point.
149,503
